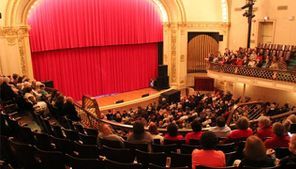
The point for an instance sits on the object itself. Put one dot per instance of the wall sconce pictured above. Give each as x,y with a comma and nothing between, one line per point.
266,18
291,18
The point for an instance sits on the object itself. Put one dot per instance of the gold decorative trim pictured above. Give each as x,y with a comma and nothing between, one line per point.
16,36
174,53
182,58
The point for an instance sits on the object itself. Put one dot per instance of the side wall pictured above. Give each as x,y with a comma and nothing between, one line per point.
283,19
257,93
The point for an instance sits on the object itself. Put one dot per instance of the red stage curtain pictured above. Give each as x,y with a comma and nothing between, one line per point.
59,24
95,46
97,70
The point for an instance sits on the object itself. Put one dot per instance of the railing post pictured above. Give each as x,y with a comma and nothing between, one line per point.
274,76
90,122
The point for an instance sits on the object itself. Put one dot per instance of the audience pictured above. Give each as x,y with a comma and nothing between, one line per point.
221,130
260,58
198,110
107,133
139,135
291,159
255,154
196,132
242,132
208,156
152,128
172,133
280,138
264,129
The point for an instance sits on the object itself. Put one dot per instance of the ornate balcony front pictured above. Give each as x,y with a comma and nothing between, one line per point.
277,79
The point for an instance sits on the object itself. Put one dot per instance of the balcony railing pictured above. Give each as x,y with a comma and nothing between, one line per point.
280,75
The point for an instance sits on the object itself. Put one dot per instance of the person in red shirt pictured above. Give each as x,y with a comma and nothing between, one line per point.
264,128
280,138
172,134
196,132
242,132
208,156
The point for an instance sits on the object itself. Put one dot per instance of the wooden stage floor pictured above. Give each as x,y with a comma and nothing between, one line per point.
132,99
126,96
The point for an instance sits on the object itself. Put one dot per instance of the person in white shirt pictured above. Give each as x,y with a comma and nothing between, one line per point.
221,130
152,128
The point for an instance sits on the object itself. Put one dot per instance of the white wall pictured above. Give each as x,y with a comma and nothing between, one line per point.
203,10
284,28
2,6
258,93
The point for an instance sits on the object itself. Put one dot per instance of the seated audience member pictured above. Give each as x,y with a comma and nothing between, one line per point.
40,88
264,128
280,138
139,135
221,130
39,107
196,131
107,133
288,121
154,132
70,110
172,133
242,132
255,154
291,159
7,92
208,156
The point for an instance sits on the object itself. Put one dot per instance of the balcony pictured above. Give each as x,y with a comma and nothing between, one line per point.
276,79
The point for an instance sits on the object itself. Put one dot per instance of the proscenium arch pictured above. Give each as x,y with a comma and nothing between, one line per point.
17,11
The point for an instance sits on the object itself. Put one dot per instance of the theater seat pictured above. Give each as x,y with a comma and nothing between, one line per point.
117,165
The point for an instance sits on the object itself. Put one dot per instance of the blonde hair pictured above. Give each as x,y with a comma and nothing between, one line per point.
264,121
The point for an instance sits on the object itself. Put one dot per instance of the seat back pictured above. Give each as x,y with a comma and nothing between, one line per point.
50,159
177,142
248,167
154,166
23,153
194,142
227,147
118,154
164,148
92,132
79,128
5,152
79,163
180,160
43,141
281,152
57,131
87,139
204,167
187,149
111,143
117,165
139,146
86,151
63,145
25,135
145,158
71,134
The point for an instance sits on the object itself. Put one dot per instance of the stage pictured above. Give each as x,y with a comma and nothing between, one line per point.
131,99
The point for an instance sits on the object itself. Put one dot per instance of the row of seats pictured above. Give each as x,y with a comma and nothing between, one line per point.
276,47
